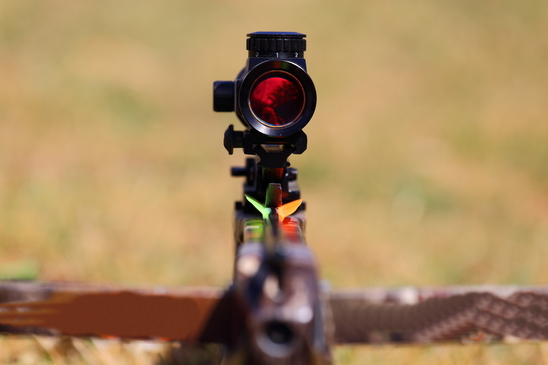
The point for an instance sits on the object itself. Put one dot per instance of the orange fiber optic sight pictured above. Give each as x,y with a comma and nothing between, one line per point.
273,96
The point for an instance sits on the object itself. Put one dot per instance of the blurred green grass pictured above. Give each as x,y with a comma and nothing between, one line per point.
427,160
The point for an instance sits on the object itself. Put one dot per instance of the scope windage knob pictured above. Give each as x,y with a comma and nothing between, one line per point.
276,44
223,96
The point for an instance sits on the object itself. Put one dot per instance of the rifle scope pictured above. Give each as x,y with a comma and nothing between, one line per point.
273,94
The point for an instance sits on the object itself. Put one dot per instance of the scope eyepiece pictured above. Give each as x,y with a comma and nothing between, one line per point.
273,95
276,98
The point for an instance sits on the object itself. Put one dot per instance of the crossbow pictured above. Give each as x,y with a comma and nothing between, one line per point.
276,311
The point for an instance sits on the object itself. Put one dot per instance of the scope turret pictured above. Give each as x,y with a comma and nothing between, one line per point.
276,44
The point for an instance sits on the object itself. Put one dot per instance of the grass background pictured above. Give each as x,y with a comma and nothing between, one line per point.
427,159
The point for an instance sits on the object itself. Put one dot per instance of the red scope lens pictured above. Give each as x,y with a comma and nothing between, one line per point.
277,99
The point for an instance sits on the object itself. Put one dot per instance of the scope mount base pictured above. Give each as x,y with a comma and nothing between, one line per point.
273,152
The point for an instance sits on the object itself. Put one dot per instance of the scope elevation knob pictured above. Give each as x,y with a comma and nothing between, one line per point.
276,44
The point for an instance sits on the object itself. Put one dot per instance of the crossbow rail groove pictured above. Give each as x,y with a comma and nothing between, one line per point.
373,315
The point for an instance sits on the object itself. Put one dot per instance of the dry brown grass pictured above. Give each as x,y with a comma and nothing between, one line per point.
426,164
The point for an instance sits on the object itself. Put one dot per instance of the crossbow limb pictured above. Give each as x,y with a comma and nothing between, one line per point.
377,315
